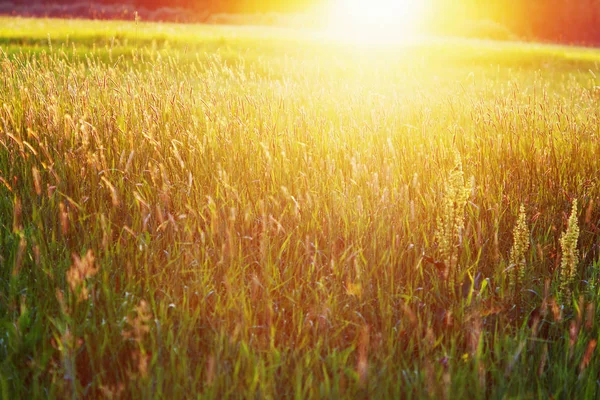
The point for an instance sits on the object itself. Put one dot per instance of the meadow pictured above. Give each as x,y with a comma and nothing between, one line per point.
240,212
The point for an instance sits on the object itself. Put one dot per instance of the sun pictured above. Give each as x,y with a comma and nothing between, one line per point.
378,20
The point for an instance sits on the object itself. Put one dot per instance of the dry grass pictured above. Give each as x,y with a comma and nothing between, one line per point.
256,217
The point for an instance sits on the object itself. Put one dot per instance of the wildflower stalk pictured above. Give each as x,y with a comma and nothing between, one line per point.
517,253
570,257
451,223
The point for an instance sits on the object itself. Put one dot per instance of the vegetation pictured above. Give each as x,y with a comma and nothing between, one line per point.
241,212
564,21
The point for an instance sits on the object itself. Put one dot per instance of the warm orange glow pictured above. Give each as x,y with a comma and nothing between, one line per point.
374,21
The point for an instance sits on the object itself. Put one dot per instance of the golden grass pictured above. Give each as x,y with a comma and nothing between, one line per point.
225,212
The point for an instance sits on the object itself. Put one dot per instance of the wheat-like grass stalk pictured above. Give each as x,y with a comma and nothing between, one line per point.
570,256
519,249
451,222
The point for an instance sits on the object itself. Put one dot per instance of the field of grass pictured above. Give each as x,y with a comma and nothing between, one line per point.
215,212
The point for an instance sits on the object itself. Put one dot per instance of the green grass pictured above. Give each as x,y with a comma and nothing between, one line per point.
259,203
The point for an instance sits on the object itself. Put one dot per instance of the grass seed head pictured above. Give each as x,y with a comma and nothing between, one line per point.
587,357
589,316
139,325
37,181
17,215
570,256
451,223
519,249
81,270
64,218
19,257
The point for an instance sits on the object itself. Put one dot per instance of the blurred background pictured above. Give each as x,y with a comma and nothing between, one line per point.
564,21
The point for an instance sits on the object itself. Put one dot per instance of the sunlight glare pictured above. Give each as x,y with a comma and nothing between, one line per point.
377,21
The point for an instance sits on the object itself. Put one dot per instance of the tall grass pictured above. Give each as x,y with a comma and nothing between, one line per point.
263,219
